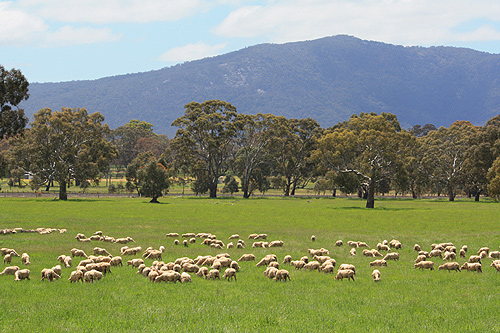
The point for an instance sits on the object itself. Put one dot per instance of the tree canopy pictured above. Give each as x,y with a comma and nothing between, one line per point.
13,90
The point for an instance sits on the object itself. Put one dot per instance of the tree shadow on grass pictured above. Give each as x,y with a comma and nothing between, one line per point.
376,208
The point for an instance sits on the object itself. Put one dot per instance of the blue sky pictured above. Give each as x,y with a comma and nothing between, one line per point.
63,40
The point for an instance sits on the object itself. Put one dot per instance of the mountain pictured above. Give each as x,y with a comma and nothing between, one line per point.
327,79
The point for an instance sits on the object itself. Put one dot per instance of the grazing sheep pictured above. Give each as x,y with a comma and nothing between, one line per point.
276,243
471,267
420,258
213,274
424,265
229,274
395,244
483,249
10,270
76,276
152,275
424,253
416,248
25,259
135,262
193,268
176,242
266,260
483,254
188,235
92,275
287,259
177,268
7,259
352,243
494,255
496,265
154,254
313,238
169,276
376,275
305,259
368,253
473,259
392,256
270,272
274,264
67,262
49,274
57,269
202,272
230,245
449,256
116,261
318,252
298,264
450,266
240,246
234,265
185,277
345,273
22,274
328,268
436,253
61,258
282,275
322,259
346,267
313,265
104,267
462,253
172,234
101,251
78,253
261,236
352,252
382,247
235,236
362,244
339,243
378,263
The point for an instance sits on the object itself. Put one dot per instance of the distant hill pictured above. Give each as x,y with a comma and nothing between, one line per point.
327,79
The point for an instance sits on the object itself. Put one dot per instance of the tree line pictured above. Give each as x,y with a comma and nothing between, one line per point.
368,154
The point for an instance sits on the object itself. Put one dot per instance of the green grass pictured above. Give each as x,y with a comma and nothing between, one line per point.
405,300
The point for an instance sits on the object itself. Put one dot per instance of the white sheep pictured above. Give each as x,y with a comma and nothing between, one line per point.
328,268
185,277
57,269
287,259
420,258
25,259
339,243
313,265
352,252
450,266
10,270
213,274
76,276
234,265
449,255
229,273
494,255
298,264
100,251
282,275
116,261
376,275
22,274
270,272
276,243
471,267
49,274
202,272
473,259
7,259
235,236
345,273
78,253
68,261
92,275
392,256
416,248
379,263
313,238
424,265
230,245
346,267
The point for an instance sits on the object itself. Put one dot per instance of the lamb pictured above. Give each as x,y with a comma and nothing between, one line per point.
392,256
339,243
229,274
376,275
49,274
100,251
352,252
213,274
116,261
78,253
7,259
345,273
22,274
76,276
92,275
346,267
10,270
282,275
287,259
378,263
313,265
450,266
202,272
471,267
424,265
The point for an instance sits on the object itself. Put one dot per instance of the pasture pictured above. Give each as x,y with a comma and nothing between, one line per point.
406,299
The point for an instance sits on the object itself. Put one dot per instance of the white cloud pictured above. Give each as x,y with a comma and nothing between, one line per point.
395,21
191,52
110,11
18,27
68,35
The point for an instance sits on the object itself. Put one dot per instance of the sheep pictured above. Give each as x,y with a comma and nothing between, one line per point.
235,236
76,276
339,243
49,274
378,263
240,246
313,238
451,248
213,274
172,234
154,254
376,275
78,253
473,259
382,247
417,248
395,244
190,268
494,255
116,261
229,274
100,251
261,236
298,264
322,259
10,270
305,259
483,254
420,258
276,243
424,265
92,275
25,259
352,252
483,249
84,240
67,262
449,256
346,267
313,265
202,272
368,253
253,236
7,259
135,262
185,277
169,276
12,252
287,259
22,274
192,240
61,258
230,245
436,253
345,273
328,268
266,260
465,248
282,275
392,256
185,243
476,266
124,240
104,267
450,266
152,275
234,265
85,262
274,264
270,272
57,269
188,235
259,244
318,252
424,253
462,253
362,244
80,236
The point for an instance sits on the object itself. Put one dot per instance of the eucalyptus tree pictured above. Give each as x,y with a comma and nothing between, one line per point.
64,145
207,133
369,146
13,90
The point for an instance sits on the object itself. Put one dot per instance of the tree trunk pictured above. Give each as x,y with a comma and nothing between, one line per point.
154,200
63,195
413,193
370,197
334,192
451,194
287,188
246,195
360,193
294,185
476,196
213,189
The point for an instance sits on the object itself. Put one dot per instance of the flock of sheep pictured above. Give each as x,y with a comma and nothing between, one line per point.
94,267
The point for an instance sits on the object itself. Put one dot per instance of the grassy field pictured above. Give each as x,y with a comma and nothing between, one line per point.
405,300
